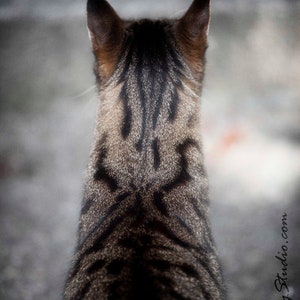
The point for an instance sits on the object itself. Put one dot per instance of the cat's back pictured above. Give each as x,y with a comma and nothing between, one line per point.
144,231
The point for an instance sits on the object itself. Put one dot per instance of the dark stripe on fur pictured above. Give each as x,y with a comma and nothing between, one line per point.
112,208
151,69
161,79
115,293
138,212
175,295
173,105
127,119
204,264
159,102
99,242
102,173
115,267
123,196
81,293
142,97
184,225
189,270
159,203
128,243
160,227
183,175
87,204
161,265
202,218
156,155
198,212
132,244
143,286
96,266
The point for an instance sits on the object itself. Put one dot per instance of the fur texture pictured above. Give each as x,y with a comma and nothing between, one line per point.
144,231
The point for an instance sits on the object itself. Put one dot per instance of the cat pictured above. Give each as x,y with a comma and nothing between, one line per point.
144,231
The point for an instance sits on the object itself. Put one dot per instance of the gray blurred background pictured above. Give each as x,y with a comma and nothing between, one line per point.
250,127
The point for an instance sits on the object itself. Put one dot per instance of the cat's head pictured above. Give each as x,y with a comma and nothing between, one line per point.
109,37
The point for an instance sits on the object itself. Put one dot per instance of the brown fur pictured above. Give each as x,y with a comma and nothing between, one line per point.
106,31
191,33
144,230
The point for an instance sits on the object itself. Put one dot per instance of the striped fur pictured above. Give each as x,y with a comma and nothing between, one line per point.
144,231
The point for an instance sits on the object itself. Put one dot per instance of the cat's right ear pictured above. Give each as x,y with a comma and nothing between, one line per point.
106,31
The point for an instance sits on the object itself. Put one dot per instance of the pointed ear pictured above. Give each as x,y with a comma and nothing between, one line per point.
192,29
106,32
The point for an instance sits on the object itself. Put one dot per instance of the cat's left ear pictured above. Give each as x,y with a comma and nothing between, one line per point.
192,29
106,31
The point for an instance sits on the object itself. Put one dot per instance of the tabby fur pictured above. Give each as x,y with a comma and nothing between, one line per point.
144,230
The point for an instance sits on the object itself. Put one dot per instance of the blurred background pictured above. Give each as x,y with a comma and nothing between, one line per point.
250,127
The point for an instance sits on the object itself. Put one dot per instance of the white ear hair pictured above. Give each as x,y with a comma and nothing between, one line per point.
89,33
207,30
